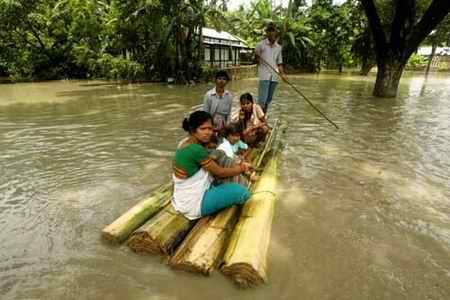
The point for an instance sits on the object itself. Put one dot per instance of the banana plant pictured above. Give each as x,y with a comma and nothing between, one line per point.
294,33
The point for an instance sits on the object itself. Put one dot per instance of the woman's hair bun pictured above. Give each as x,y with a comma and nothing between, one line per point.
185,125
196,119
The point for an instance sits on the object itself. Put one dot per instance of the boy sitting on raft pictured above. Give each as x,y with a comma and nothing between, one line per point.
227,152
218,101
251,119
231,143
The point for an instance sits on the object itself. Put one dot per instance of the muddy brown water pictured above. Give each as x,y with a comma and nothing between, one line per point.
363,212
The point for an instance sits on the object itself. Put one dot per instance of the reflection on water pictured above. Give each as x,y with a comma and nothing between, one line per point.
363,212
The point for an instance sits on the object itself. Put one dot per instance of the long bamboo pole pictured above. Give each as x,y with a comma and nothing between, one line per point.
120,229
298,91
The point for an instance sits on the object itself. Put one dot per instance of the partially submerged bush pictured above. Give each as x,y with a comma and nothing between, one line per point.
112,67
416,62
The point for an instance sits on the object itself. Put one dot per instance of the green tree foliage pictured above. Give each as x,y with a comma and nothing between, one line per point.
156,39
118,39
294,33
313,37
416,62
38,37
333,34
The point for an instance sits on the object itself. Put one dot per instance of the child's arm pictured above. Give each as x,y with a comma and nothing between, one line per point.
244,154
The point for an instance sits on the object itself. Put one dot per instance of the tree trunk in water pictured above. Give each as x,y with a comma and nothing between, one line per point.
388,78
179,70
200,49
433,51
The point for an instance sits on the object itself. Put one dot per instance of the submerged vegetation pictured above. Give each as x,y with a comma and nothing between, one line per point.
157,39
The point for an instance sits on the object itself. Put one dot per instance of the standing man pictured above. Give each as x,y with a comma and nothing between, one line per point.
268,52
218,101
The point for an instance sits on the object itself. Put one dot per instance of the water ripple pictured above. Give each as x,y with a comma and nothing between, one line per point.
76,155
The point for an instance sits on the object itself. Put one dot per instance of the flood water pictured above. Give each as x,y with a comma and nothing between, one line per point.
363,212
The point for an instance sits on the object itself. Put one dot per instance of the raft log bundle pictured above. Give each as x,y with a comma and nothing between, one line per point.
235,240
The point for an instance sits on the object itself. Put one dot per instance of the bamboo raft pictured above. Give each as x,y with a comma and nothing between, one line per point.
234,241
120,229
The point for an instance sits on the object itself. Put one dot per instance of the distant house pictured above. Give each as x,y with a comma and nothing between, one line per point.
426,51
441,59
223,49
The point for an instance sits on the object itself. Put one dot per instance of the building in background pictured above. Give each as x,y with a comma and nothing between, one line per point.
426,51
223,49
441,57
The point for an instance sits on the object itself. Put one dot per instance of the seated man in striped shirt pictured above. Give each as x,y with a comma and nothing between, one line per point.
217,102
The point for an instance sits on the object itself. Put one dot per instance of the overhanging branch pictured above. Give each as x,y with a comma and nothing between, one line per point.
35,34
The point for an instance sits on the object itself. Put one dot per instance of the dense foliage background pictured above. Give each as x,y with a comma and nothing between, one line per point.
155,39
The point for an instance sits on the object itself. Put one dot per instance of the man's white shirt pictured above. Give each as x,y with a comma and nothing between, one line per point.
272,55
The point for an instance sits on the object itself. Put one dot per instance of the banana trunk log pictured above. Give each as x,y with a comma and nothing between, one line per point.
161,234
200,251
120,229
245,260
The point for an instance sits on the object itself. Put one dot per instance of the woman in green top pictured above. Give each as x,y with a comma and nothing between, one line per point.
194,196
